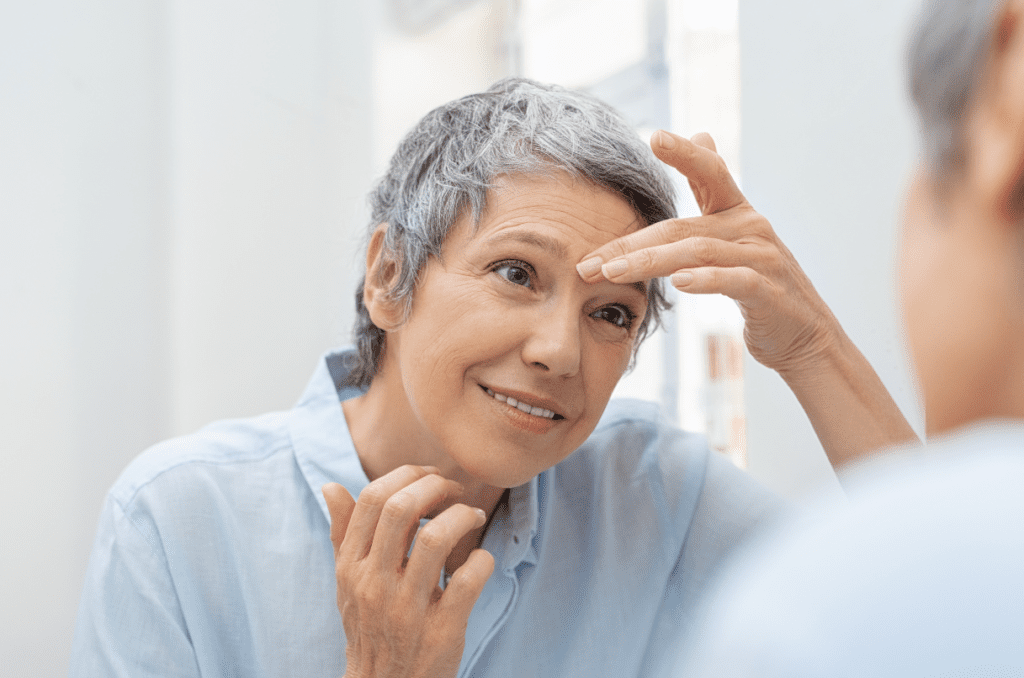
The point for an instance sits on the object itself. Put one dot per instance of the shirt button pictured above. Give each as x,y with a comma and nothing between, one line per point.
515,538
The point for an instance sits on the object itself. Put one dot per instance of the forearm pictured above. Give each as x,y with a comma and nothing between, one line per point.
852,412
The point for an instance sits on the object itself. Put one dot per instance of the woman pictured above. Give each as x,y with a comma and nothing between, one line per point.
566,536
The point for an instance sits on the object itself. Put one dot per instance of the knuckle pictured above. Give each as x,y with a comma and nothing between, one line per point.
680,229
374,495
341,575
399,506
462,580
614,250
759,221
711,278
432,537
644,259
411,470
703,251
365,596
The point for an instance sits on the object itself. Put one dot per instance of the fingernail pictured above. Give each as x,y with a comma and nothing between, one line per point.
666,140
590,267
615,268
682,278
481,516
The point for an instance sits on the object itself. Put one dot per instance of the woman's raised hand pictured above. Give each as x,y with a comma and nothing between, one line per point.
397,619
730,249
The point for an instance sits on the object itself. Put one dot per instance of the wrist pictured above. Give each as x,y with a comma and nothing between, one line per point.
826,356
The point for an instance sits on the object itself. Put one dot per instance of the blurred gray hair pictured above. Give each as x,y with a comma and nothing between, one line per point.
451,158
946,63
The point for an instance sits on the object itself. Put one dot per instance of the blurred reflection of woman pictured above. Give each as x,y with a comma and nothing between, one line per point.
512,267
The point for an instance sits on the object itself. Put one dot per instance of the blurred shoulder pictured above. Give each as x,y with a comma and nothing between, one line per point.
635,434
219,450
635,449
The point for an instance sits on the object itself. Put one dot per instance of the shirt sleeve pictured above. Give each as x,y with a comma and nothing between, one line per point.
731,507
129,619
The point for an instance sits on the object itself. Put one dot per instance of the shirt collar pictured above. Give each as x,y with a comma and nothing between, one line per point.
320,437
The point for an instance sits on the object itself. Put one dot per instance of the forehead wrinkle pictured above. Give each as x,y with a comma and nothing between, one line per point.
540,240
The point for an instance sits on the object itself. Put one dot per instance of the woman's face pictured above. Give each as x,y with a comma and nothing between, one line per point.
503,317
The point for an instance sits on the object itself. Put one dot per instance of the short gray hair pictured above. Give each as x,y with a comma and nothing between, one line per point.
451,158
946,62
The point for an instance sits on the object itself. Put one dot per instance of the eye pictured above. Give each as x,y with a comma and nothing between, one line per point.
617,315
516,272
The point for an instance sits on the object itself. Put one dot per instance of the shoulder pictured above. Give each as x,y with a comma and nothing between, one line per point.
635,429
634,453
218,450
633,440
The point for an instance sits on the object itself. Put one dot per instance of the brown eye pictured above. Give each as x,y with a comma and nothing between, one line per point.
517,275
620,316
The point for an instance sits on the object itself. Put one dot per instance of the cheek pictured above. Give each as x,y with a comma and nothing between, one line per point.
604,364
456,323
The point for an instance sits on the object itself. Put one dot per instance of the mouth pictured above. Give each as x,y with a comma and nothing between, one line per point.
532,410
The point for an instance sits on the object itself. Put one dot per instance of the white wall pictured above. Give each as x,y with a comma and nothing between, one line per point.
180,187
828,144
415,71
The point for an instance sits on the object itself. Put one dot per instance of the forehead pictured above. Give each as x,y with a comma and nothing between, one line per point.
561,215
572,210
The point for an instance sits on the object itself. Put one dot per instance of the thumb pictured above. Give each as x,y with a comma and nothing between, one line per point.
712,185
340,504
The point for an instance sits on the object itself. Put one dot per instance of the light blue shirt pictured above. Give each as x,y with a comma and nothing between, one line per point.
213,555
920,574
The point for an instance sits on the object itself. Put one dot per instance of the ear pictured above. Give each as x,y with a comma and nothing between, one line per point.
382,273
996,127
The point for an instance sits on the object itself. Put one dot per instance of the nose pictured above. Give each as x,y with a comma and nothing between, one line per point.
553,342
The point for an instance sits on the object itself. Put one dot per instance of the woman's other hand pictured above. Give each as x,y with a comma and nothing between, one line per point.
730,249
397,619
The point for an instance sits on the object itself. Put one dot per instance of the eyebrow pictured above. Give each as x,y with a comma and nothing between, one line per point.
555,247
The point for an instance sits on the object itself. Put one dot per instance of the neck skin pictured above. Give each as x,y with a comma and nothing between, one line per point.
387,434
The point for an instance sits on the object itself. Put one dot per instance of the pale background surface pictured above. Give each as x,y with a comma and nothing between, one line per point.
181,196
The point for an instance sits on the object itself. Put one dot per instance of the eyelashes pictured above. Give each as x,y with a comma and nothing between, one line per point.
516,272
522,274
616,314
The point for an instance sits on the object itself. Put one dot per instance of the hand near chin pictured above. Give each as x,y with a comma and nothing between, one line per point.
397,619
732,250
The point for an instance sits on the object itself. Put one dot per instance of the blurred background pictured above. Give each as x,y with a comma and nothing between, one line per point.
182,203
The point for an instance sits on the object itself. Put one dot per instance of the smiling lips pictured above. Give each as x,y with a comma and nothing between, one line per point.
523,407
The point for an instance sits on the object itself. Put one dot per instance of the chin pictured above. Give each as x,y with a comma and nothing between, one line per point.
500,477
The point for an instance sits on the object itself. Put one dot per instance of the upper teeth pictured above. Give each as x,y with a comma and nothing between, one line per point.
509,400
